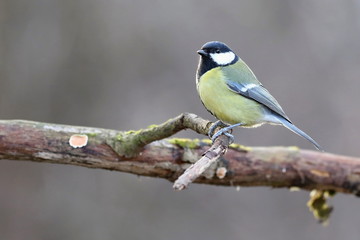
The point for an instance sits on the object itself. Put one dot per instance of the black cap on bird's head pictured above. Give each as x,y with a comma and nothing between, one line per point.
213,47
215,54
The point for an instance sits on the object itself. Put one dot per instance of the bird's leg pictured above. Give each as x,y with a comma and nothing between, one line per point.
215,125
225,132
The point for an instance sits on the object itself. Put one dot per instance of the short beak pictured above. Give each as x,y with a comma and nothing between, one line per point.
202,53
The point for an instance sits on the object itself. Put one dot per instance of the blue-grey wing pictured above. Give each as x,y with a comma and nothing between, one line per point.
259,94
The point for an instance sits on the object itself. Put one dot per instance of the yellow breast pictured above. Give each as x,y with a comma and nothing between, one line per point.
225,104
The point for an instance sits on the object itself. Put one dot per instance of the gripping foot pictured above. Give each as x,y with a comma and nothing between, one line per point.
214,126
225,131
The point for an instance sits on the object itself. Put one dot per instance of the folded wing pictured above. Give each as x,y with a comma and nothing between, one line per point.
259,94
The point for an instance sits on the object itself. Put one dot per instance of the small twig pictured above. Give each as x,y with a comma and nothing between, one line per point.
130,143
217,150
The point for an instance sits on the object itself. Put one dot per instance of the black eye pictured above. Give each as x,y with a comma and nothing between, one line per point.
217,51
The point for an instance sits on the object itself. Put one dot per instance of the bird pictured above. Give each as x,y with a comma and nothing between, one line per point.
230,91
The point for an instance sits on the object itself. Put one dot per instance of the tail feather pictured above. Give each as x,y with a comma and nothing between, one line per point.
299,132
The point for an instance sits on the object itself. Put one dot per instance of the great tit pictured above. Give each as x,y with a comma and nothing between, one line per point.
230,91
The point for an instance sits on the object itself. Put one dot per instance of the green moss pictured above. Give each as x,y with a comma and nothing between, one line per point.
126,144
318,204
133,132
194,143
152,126
206,141
185,142
294,148
91,134
240,147
119,137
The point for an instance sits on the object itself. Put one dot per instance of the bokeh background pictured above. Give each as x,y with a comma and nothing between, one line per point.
128,64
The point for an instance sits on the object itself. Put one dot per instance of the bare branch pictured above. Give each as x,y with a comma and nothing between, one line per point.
210,157
240,166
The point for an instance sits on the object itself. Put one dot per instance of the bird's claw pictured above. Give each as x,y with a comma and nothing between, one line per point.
226,130
214,126
220,132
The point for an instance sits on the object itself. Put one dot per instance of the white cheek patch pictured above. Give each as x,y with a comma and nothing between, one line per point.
223,58
248,86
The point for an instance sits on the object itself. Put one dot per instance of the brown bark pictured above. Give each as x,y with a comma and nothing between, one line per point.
240,166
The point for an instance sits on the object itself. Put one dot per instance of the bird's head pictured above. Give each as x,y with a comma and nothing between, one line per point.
212,55
217,53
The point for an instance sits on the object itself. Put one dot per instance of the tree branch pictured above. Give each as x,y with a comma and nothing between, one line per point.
139,153
210,157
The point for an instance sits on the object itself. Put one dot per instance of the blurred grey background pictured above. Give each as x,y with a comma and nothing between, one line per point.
128,64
